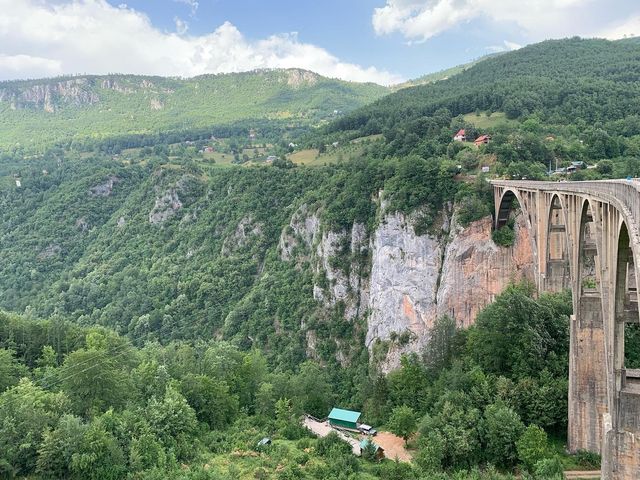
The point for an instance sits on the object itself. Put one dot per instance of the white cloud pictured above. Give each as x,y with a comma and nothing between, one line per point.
505,47
423,19
628,28
90,36
181,25
191,3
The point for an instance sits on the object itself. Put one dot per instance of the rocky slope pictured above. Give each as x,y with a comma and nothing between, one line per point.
411,279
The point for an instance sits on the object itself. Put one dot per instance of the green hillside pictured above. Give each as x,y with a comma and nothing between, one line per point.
442,74
162,333
36,113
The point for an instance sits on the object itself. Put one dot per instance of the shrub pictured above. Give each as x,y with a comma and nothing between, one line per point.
532,446
549,469
504,236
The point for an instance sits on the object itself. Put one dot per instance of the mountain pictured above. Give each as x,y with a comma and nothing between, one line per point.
35,113
442,74
562,81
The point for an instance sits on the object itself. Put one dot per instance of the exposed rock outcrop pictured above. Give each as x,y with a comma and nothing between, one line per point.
49,96
105,188
476,270
166,206
246,231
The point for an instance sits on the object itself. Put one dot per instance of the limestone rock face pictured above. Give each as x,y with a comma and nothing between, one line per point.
476,270
401,282
404,277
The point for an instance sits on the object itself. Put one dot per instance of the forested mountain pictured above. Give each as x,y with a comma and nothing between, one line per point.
182,288
36,113
573,81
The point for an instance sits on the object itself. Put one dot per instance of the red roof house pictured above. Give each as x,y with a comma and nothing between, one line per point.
460,136
482,140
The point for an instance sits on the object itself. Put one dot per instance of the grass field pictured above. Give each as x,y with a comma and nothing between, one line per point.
483,121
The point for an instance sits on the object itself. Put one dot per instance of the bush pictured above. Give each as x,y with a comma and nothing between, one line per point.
588,459
504,236
549,469
501,429
532,446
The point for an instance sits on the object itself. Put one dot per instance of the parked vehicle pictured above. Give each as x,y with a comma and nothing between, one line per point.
367,429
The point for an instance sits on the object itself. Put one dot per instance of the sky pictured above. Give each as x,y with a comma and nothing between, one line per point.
382,41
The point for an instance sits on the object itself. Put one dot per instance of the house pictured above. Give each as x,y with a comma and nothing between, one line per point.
379,450
482,140
271,158
344,419
335,144
208,150
292,145
460,136
18,184
485,169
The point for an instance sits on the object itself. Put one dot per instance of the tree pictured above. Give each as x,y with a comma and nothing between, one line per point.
58,446
501,428
10,369
210,399
98,456
95,380
532,446
26,413
172,420
403,422
430,451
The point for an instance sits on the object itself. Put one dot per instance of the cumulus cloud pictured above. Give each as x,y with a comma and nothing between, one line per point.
628,28
419,20
42,38
505,47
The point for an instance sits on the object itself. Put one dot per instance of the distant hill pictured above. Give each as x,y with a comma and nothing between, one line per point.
38,112
442,74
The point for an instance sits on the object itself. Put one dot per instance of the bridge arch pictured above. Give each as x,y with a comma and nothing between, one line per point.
557,254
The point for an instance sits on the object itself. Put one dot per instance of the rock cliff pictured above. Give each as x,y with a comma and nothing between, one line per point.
407,280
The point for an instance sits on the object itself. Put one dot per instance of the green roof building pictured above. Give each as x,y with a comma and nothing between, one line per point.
344,418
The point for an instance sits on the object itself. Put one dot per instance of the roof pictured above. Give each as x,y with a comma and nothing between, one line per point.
365,441
482,138
460,132
344,415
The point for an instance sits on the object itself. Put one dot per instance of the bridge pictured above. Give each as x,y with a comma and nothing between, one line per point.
585,236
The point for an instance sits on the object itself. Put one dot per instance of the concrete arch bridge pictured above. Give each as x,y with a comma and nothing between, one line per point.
586,236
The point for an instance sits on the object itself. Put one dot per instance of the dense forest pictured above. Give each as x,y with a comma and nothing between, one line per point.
83,402
162,333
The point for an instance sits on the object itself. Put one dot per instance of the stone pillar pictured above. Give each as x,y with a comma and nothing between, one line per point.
587,377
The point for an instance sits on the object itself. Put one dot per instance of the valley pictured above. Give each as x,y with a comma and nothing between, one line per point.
189,266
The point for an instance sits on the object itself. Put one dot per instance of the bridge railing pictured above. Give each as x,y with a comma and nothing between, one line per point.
624,193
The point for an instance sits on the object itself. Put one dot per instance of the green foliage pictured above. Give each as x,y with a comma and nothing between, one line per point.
403,422
210,399
501,428
26,413
532,446
549,469
517,335
58,446
588,459
504,236
10,369
98,456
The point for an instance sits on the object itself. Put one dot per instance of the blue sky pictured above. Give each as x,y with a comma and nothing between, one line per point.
385,41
